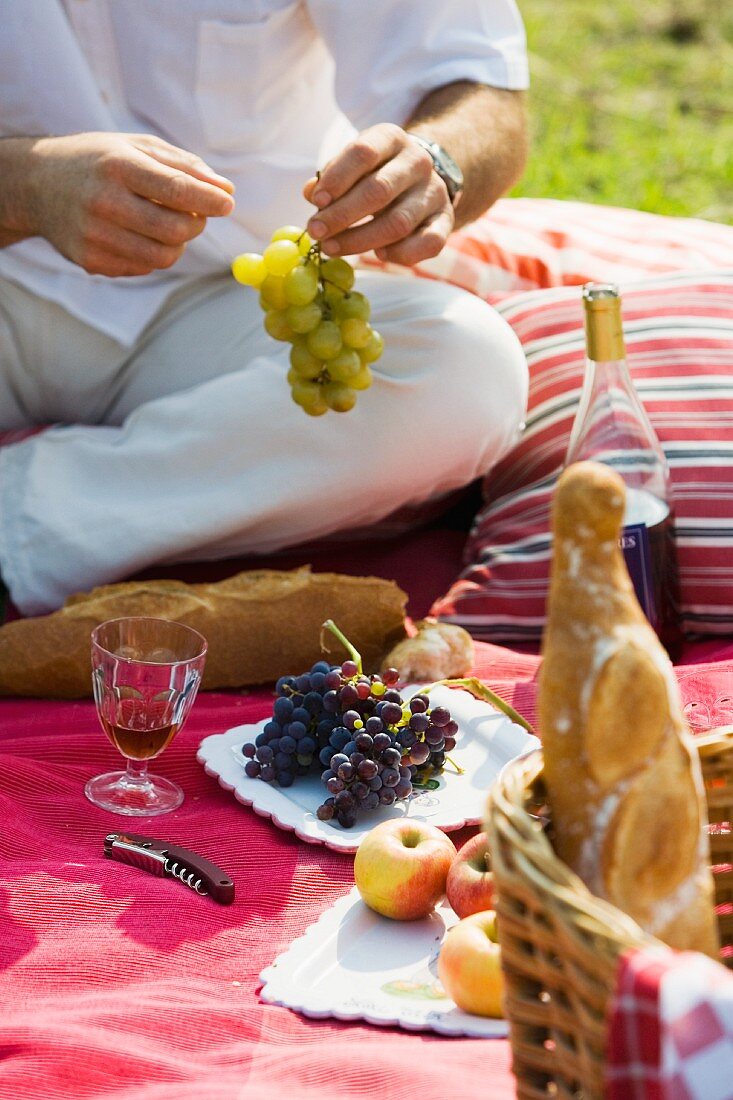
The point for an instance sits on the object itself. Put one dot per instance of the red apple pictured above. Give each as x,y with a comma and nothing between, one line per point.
401,867
469,965
470,884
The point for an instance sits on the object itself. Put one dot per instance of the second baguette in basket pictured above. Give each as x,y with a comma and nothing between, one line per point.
623,780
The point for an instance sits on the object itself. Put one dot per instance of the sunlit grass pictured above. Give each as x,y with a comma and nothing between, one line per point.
632,104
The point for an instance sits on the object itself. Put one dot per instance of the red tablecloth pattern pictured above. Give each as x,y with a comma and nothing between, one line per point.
114,983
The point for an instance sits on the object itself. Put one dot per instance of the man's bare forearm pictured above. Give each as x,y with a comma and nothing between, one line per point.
16,155
484,130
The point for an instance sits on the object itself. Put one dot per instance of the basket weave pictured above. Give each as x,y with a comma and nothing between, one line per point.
560,944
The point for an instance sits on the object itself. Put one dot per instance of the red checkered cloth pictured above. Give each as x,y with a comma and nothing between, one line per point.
671,1028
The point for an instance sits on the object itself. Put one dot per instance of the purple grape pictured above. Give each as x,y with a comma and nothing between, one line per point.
364,742
335,784
288,744
264,754
348,697
403,789
346,772
331,702
419,722
381,740
387,796
390,777
267,772
248,751
252,769
367,769
333,680
285,778
371,801
440,716
419,753
374,725
391,713
283,709
349,668
325,812
418,704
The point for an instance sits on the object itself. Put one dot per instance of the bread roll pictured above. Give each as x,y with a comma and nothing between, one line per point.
623,777
259,625
437,651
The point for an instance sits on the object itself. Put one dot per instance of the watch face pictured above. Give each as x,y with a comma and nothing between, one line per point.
445,166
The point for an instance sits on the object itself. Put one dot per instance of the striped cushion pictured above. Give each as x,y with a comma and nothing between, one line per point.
679,334
524,244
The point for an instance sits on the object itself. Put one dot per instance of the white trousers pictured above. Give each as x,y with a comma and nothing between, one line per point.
188,446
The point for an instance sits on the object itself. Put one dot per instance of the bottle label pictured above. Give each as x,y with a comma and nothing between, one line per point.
637,553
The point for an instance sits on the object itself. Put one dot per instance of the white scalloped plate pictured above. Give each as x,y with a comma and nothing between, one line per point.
487,740
352,964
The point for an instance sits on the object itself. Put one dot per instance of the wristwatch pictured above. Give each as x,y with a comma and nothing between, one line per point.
445,166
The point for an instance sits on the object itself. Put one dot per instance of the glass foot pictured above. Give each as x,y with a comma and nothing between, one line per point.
116,792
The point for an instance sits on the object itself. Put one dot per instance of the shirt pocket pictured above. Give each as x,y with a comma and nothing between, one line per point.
244,72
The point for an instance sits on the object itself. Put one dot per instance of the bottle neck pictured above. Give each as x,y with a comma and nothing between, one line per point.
604,334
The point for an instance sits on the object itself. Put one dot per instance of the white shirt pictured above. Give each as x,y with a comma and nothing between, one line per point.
263,90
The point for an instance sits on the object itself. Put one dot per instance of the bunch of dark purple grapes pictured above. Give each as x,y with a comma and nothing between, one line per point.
371,745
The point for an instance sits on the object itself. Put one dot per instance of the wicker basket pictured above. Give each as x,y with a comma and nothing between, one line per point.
560,944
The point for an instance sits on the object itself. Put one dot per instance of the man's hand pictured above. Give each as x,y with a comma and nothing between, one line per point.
117,204
385,176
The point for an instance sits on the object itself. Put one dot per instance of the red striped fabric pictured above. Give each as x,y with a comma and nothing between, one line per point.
523,244
679,335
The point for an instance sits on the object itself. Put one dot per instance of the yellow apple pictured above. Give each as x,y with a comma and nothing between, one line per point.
401,867
470,884
469,965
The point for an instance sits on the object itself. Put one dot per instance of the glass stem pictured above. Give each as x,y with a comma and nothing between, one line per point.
137,772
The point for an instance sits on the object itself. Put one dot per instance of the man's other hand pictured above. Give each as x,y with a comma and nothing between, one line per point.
384,176
121,204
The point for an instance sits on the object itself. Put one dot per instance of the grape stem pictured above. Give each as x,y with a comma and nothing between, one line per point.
352,652
479,690
458,768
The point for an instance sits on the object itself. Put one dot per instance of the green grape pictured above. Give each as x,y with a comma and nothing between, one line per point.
352,304
332,296
373,350
339,397
325,341
344,366
280,257
363,379
356,333
294,233
249,269
310,398
301,284
272,293
292,377
303,362
277,326
338,272
304,318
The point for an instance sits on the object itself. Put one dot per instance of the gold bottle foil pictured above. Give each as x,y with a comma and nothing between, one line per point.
604,334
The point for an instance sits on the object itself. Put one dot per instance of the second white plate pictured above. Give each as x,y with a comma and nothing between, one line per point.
487,740
352,964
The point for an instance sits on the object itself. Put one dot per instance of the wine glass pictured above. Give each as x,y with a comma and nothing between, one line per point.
145,675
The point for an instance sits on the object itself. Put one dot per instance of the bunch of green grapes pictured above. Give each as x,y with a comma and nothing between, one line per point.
309,301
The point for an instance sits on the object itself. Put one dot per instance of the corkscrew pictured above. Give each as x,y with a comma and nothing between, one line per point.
162,859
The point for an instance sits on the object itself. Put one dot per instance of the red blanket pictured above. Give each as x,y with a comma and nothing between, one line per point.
118,984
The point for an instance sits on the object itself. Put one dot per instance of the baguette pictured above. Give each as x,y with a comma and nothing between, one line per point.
623,777
260,625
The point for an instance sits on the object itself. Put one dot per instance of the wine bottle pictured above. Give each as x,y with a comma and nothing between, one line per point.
611,426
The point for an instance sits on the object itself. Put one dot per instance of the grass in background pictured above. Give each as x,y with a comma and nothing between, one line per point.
632,104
